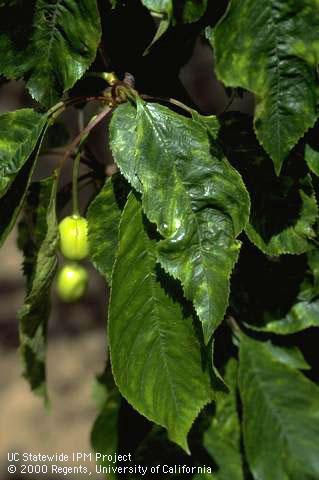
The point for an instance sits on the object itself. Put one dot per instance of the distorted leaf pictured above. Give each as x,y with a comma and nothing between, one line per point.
156,357
39,244
197,200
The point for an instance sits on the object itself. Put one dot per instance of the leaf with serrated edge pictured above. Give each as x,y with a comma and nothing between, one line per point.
103,218
291,196
280,416
222,438
20,131
156,358
57,50
12,201
312,159
305,313
271,48
302,315
42,262
197,200
293,239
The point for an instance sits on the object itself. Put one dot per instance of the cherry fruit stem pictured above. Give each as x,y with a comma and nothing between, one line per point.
75,184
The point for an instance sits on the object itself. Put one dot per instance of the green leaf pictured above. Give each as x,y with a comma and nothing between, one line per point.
39,240
272,50
222,439
20,132
280,416
290,356
12,201
283,209
312,159
305,312
156,358
302,315
193,10
162,28
54,49
159,6
164,10
104,434
197,200
293,239
210,122
103,217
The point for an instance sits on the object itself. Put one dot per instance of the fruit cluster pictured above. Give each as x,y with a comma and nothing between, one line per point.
72,279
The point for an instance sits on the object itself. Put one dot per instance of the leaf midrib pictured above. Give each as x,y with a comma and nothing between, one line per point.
263,391
180,181
51,28
275,27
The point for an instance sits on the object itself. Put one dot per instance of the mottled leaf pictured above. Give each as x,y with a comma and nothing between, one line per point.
281,416
52,47
283,209
272,50
197,200
11,202
38,239
295,238
302,315
222,438
103,220
156,358
19,133
305,312
210,122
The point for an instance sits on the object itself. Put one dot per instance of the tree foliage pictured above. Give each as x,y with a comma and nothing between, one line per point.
206,235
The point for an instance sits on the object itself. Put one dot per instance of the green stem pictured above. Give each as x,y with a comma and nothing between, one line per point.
75,185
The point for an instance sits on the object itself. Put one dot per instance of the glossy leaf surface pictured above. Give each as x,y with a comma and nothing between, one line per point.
14,196
197,200
156,357
19,133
